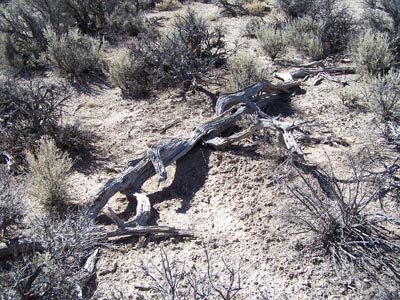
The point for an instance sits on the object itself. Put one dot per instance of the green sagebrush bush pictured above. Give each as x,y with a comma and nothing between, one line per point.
73,53
48,169
372,52
244,70
273,41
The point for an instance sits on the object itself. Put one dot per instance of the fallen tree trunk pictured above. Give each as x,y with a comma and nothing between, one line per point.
158,156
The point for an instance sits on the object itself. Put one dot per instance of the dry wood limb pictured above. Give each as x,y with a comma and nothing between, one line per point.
226,101
163,231
90,264
143,210
303,72
154,155
142,168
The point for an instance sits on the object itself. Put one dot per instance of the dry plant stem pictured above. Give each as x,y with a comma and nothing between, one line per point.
142,168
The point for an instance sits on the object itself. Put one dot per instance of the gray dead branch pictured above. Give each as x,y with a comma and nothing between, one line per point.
229,109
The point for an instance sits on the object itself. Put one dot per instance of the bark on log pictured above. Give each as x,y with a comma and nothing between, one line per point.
142,168
162,231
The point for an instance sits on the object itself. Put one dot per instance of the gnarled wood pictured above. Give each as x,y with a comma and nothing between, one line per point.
143,167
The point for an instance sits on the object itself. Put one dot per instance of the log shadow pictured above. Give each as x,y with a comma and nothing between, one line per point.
190,176
280,105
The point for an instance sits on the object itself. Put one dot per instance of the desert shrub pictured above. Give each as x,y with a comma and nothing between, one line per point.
173,280
74,53
244,70
11,206
384,95
167,4
255,8
323,28
384,16
295,8
129,74
273,41
182,57
252,27
127,19
346,222
22,35
28,111
57,271
372,52
47,170
306,35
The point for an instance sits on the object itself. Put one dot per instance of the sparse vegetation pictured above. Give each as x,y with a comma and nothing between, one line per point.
28,111
57,271
73,53
273,41
11,207
47,172
129,74
172,280
372,53
244,70
343,219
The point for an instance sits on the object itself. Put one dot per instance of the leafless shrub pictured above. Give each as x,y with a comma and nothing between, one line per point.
47,172
347,223
11,207
372,52
384,95
295,8
57,272
74,54
273,41
28,111
244,70
172,280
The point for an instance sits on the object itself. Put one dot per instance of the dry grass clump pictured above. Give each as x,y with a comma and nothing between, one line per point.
129,74
73,53
347,223
47,170
255,8
244,70
252,27
273,41
372,52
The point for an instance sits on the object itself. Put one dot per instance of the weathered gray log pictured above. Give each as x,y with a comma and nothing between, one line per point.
226,101
142,168
303,72
163,231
